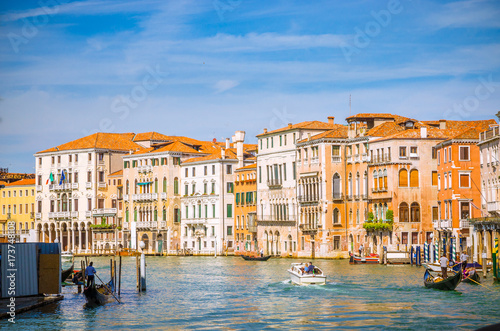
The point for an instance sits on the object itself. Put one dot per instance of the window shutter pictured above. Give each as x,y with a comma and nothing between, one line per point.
464,180
434,178
414,178
403,178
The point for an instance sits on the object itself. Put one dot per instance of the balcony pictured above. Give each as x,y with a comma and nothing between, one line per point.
88,213
88,185
143,196
336,159
145,169
349,158
38,216
349,197
377,159
60,215
74,186
493,207
274,184
125,197
379,190
39,188
464,223
163,224
163,195
364,157
308,199
315,159
101,185
74,214
309,229
356,157
104,212
337,196
154,196
273,221
125,225
441,224
147,225
490,134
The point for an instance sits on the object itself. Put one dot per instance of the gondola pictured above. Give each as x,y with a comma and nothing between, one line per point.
65,273
256,258
448,284
474,279
97,295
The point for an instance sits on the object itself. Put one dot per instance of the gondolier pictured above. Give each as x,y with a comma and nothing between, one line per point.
90,272
444,266
463,259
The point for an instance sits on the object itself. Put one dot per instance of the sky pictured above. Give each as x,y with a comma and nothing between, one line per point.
206,69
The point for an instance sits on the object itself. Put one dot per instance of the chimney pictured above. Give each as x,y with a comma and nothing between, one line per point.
238,139
442,124
222,153
423,132
290,125
331,119
308,136
214,140
265,130
228,145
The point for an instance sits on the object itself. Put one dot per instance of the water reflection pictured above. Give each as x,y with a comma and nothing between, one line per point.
222,293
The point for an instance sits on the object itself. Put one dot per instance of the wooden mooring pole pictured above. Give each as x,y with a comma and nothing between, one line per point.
120,278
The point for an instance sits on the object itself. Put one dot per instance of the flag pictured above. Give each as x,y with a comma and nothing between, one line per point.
51,179
62,178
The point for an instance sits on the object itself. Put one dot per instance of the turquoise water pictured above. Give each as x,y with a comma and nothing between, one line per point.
229,293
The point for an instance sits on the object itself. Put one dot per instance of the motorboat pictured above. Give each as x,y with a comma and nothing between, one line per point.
436,267
369,259
299,277
66,256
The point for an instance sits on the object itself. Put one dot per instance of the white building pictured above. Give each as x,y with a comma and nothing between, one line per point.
277,207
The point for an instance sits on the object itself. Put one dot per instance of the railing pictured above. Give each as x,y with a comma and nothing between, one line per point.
306,198
59,214
379,189
39,188
125,225
273,221
364,157
493,206
74,214
88,213
143,196
309,228
38,216
441,224
154,196
380,158
315,159
337,196
163,224
147,224
349,197
146,168
274,183
74,186
349,158
494,131
364,196
464,223
125,197
163,195
356,157
101,185
336,159
88,185
104,211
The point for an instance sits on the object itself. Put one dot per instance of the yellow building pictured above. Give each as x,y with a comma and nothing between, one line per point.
245,192
17,201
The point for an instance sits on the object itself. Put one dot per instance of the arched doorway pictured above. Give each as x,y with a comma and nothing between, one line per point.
145,239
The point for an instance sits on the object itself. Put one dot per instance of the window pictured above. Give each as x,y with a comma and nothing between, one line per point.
177,215
186,172
434,178
205,188
229,230
415,212
413,151
260,174
439,182
403,212
435,213
449,179
414,178
464,153
414,238
205,170
464,180
445,180
404,238
294,171
213,212
445,156
176,185
230,187
194,171
213,170
439,157
402,152
213,188
464,210
229,169
229,210
403,178
336,243
186,189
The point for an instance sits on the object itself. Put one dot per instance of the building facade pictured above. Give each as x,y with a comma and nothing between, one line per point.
245,210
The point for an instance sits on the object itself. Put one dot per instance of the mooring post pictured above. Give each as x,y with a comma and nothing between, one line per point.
120,279
494,258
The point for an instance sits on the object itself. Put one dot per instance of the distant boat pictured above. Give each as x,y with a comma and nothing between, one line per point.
370,259
66,256
448,284
65,273
299,277
255,258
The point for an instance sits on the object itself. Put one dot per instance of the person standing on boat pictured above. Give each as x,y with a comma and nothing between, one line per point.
90,272
360,250
262,252
463,259
444,266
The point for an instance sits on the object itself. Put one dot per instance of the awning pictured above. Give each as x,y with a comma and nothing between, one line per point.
144,183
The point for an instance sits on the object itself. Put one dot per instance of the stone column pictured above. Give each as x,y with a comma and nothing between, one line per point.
79,239
87,239
50,235
72,238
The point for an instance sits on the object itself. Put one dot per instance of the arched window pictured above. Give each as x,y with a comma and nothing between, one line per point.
403,178
375,181
415,212
358,188
385,178
156,185
414,178
380,179
126,215
365,183
164,214
350,216
403,212
164,184
155,217
357,216
336,186
176,185
135,187
127,187
135,214
350,184
336,216
64,203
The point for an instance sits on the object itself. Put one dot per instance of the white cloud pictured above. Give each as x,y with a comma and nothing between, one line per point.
224,85
466,14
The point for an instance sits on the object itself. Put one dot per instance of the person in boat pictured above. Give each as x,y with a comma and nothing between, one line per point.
78,278
361,250
463,259
310,268
444,266
262,252
90,272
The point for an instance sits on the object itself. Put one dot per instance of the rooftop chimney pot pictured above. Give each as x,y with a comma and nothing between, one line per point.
442,124
331,119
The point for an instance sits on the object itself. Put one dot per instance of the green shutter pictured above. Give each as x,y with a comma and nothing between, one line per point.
242,198
126,215
237,198
156,215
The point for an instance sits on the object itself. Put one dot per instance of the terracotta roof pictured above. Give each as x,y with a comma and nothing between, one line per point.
309,125
364,116
214,156
22,182
114,141
175,146
385,129
145,136
118,173
248,167
340,131
432,133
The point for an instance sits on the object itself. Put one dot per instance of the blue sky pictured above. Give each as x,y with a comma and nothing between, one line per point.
208,68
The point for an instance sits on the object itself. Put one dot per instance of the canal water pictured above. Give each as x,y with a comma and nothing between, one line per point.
229,293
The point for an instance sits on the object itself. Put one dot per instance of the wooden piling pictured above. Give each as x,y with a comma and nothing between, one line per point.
137,272
114,273
120,278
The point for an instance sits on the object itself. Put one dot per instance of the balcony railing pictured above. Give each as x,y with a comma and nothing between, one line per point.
38,216
154,196
379,189
39,188
364,157
88,213
104,212
494,131
440,224
309,228
336,159
274,183
147,225
74,186
356,157
380,158
125,225
88,185
163,195
101,185
315,159
464,223
308,199
60,214
163,224
349,158
125,197
493,206
144,196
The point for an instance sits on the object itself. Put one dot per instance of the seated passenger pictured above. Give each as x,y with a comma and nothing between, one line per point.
310,268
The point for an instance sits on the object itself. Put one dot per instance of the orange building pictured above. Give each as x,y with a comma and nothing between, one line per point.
459,182
245,210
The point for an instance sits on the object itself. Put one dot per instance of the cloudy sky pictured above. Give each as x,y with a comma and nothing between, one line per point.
207,68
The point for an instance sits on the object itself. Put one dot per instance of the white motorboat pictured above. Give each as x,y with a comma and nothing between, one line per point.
299,277
66,256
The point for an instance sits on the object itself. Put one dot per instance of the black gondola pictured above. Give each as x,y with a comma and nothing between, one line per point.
474,279
256,258
65,273
98,295
448,284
